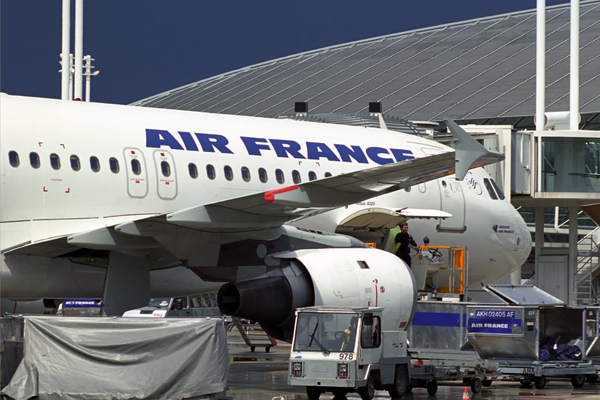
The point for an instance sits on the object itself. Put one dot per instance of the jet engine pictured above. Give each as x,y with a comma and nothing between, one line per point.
350,277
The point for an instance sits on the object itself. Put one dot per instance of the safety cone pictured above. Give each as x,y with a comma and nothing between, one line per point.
466,394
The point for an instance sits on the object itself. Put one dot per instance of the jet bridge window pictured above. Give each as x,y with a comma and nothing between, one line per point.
279,176
55,161
75,164
210,172
114,165
165,168
262,175
245,174
193,170
94,164
490,189
136,167
13,158
34,160
296,177
312,176
228,173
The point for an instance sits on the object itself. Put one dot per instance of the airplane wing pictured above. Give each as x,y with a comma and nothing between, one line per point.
276,207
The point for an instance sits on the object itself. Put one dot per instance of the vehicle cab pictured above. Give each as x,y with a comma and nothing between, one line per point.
342,349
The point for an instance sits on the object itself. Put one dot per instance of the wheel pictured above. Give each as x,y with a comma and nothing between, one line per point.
339,335
476,385
400,387
486,382
313,392
252,348
592,378
368,392
540,382
525,384
432,387
267,349
578,380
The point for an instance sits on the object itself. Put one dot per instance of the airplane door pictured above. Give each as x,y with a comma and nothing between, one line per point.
452,200
165,174
137,175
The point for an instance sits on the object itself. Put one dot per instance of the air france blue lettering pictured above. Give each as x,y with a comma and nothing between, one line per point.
401,155
255,145
356,152
188,141
317,150
210,142
157,138
284,147
374,152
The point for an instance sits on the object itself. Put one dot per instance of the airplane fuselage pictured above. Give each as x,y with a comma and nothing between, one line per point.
71,167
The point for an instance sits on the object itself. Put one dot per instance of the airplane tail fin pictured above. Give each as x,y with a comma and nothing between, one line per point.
469,153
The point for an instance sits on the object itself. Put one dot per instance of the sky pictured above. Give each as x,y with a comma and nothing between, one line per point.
145,47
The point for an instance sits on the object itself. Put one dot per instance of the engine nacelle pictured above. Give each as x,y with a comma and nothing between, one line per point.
354,277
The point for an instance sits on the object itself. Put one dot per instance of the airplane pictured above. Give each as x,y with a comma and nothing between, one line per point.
124,203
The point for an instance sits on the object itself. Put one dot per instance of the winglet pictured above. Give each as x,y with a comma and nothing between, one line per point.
469,153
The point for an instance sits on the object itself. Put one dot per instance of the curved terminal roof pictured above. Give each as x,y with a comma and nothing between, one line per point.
475,69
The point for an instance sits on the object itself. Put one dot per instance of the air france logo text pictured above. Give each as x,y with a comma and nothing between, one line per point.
212,143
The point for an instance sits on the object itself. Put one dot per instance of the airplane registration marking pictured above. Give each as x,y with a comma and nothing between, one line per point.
270,195
68,190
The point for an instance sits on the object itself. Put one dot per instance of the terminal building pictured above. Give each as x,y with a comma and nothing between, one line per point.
482,74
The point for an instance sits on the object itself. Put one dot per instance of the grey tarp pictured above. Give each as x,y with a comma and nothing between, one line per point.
121,358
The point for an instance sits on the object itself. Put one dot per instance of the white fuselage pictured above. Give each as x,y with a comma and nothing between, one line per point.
71,167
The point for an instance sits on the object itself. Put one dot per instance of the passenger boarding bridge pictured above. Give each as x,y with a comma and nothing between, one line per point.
553,178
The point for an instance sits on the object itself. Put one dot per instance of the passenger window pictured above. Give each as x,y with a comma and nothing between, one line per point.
210,172
34,160
371,334
95,163
498,191
279,176
165,169
136,167
13,158
245,174
75,164
55,161
327,174
296,177
312,176
114,165
262,175
193,170
490,189
228,173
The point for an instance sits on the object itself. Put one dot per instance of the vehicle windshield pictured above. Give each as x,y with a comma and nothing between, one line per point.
326,332
159,303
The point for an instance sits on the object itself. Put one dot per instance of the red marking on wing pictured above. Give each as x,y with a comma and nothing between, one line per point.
270,196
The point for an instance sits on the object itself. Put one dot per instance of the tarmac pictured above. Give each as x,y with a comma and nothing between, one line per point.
261,375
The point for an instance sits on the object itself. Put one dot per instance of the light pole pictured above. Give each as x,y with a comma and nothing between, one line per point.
88,75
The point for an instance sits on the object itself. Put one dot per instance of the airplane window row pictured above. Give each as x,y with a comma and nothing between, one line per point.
165,168
35,162
246,176
493,189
